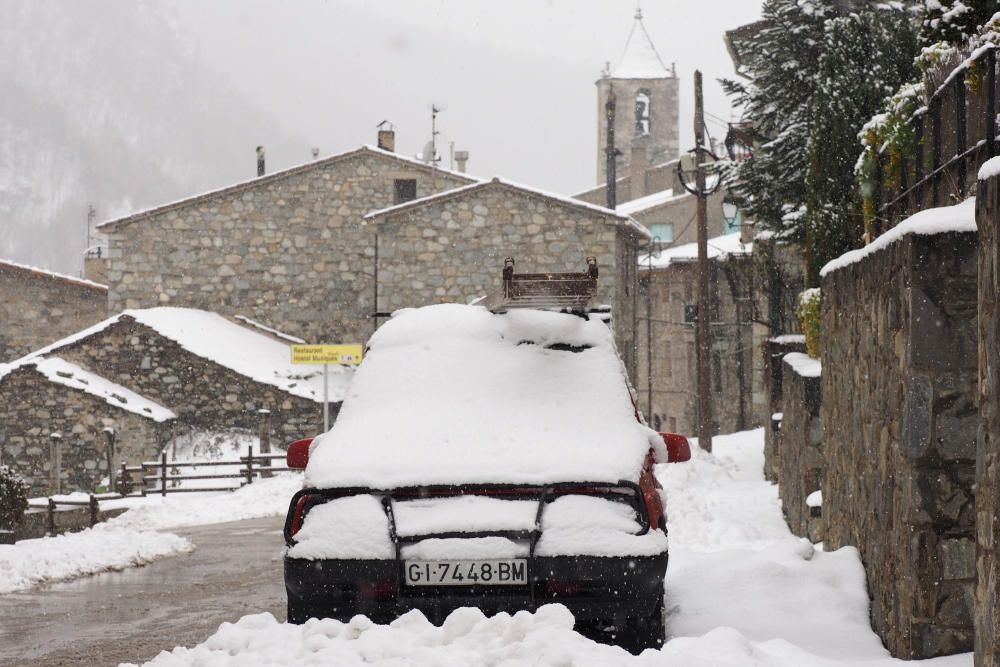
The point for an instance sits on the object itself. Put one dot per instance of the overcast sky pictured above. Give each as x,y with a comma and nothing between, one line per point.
516,76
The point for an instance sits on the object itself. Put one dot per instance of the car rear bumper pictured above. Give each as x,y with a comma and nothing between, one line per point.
592,587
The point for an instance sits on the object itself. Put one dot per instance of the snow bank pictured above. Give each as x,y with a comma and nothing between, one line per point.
720,247
804,365
942,220
482,399
104,547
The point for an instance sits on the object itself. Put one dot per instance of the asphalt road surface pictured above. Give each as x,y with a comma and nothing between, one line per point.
131,616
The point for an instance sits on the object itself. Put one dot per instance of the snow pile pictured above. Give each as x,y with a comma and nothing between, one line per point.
989,169
804,365
99,549
588,526
350,527
942,220
720,247
483,398
465,514
265,497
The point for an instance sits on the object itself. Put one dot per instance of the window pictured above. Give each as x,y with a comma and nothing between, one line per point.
663,230
406,189
642,113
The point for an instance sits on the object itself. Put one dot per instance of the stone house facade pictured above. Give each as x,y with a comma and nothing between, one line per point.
450,247
51,396
900,416
38,307
667,379
287,249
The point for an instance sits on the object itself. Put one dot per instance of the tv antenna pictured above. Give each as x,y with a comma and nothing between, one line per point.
430,154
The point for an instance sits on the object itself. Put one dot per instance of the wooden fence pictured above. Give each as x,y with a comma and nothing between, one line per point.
954,134
163,476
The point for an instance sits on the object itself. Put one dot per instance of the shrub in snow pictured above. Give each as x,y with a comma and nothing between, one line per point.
13,498
808,312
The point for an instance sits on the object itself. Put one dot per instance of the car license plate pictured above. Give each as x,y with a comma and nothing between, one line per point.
466,572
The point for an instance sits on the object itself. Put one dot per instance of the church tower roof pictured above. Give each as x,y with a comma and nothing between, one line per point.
640,59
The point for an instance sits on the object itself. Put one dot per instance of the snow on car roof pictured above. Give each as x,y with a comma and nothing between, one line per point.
452,394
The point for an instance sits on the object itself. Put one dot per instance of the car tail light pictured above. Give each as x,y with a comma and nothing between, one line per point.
678,449
564,587
298,454
378,590
297,517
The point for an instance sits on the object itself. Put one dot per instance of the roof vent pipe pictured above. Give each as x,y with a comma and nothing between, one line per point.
260,160
461,157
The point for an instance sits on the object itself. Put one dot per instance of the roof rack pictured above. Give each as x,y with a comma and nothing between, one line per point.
568,291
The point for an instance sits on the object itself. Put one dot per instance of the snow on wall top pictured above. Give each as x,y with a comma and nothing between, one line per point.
989,169
45,273
213,337
786,339
942,220
455,394
70,375
640,59
720,247
804,365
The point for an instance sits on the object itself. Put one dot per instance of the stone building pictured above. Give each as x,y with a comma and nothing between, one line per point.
645,90
287,249
47,395
667,377
38,307
900,417
450,247
988,451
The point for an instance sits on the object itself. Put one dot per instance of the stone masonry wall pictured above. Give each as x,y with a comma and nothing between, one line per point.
38,308
452,250
801,464
900,418
774,351
202,394
988,454
288,250
32,407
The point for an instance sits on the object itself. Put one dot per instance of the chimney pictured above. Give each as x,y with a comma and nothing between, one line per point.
387,139
260,160
315,152
638,166
461,157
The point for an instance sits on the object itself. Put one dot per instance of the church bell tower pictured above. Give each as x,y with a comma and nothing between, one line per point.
646,114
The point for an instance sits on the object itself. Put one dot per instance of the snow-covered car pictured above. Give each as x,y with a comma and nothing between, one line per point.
486,460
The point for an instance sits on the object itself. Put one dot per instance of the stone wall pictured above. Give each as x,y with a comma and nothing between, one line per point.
451,249
32,407
202,393
672,366
900,416
801,464
988,454
288,249
774,351
38,308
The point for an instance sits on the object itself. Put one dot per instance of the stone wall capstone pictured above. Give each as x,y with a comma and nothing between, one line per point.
900,420
988,453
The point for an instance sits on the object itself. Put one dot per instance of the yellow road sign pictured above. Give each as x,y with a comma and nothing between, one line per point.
347,355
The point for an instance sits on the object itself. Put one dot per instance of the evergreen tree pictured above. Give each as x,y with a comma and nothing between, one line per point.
954,21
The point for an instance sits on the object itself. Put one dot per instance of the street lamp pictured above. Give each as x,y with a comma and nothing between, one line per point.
702,160
730,211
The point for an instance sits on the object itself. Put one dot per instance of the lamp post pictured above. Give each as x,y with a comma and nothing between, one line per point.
697,165
730,211
654,252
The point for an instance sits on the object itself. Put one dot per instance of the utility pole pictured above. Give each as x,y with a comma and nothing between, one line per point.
611,175
703,340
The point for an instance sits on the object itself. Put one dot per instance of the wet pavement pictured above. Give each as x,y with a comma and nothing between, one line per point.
131,616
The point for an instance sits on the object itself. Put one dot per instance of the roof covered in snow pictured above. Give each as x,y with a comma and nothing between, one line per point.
651,201
110,225
70,375
45,273
942,220
720,247
240,349
504,183
456,394
640,59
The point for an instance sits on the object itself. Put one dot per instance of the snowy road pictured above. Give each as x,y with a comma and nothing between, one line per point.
134,614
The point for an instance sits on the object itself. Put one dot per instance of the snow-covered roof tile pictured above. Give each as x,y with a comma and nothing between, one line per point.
240,349
277,175
45,273
651,201
70,375
941,220
720,247
640,59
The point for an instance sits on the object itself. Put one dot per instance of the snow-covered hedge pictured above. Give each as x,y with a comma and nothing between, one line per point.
13,498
